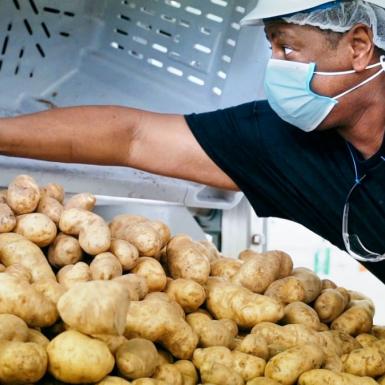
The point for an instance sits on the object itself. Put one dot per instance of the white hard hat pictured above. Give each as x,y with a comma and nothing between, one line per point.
275,8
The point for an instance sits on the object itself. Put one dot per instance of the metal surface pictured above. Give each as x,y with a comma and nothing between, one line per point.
177,56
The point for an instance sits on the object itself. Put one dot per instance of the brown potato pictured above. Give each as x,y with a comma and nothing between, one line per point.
152,270
300,313
37,228
70,275
84,201
65,250
105,266
126,253
7,219
23,195
50,207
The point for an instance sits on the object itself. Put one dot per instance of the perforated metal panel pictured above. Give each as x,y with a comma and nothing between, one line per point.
176,56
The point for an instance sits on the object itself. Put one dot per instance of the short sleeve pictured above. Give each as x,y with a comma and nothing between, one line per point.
232,139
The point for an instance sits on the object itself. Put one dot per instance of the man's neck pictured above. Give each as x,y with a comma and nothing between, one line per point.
368,131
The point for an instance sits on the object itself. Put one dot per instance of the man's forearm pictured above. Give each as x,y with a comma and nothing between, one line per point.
94,135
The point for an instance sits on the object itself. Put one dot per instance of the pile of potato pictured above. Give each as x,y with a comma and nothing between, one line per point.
83,301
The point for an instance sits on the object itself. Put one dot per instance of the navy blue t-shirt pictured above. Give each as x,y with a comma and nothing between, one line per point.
283,171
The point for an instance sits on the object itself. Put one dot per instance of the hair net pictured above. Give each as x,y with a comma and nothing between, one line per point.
341,17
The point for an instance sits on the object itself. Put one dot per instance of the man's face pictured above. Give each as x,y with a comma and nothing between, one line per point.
310,45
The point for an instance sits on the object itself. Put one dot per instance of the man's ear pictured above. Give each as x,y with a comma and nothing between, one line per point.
360,39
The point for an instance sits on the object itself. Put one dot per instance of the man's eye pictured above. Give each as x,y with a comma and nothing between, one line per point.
288,50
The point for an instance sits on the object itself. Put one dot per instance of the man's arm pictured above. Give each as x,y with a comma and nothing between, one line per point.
118,136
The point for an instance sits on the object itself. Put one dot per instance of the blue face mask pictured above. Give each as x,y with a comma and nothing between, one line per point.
288,90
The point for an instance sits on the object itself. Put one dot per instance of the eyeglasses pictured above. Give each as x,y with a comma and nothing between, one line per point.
363,221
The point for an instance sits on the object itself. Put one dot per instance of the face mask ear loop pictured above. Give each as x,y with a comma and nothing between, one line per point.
361,84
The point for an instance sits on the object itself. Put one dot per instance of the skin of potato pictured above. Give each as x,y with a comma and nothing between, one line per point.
95,307
23,195
85,201
225,267
126,253
169,374
22,362
16,249
137,358
152,270
330,304
188,371
70,275
188,293
300,313
75,358
187,259
363,362
65,250
212,332
326,377
13,328
113,380
52,208
287,290
287,366
105,266
7,218
226,300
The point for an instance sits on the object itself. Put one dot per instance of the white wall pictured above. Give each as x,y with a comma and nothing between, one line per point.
309,250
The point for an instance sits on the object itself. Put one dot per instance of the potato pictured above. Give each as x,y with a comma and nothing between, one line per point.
164,357
23,195
112,380
328,284
19,298
50,207
113,342
53,190
95,307
94,234
262,381
213,253
137,358
366,340
286,367
135,283
168,327
379,331
36,227
286,290
248,366
20,272
310,281
84,201
260,270
226,300
169,374
253,344
188,371
331,303
212,332
65,250
188,293
13,328
77,359
126,253
326,377
364,362
218,374
105,266
281,338
14,248
7,218
50,289
187,259
163,230
38,338
300,313
139,232
70,275
338,342
355,320
152,270
148,381
225,267
21,362
3,196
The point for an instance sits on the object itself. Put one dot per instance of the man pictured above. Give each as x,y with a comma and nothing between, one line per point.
297,156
